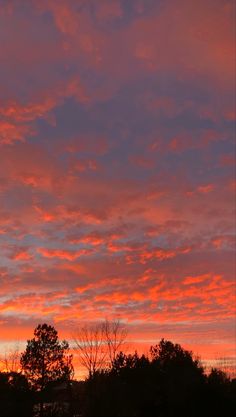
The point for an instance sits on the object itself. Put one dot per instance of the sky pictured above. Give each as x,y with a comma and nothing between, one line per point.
117,169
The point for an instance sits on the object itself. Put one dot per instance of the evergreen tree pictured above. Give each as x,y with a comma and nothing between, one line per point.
45,358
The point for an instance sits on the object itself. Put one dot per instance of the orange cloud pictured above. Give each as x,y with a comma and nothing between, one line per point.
196,279
63,254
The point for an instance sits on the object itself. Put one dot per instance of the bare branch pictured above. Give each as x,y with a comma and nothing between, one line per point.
98,344
115,335
89,342
10,361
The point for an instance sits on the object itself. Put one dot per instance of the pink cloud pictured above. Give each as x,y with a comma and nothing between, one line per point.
115,177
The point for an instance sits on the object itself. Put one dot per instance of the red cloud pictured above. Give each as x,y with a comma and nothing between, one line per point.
22,256
63,254
11,132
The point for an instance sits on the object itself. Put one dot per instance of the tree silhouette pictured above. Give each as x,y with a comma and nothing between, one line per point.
167,352
45,358
181,378
169,382
89,342
115,334
98,344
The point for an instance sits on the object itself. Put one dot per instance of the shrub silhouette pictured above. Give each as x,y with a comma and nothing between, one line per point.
15,396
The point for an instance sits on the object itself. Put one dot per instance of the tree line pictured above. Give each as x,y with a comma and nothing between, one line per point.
167,382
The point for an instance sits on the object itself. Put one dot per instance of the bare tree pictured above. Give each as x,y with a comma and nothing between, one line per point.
98,344
115,334
10,361
89,342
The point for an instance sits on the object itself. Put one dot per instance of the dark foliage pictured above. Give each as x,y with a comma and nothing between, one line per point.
16,400
44,362
168,382
45,358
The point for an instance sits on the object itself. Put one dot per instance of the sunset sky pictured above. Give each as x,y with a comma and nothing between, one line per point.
117,181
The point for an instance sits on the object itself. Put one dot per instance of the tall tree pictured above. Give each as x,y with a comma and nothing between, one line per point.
89,342
46,359
98,344
115,334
